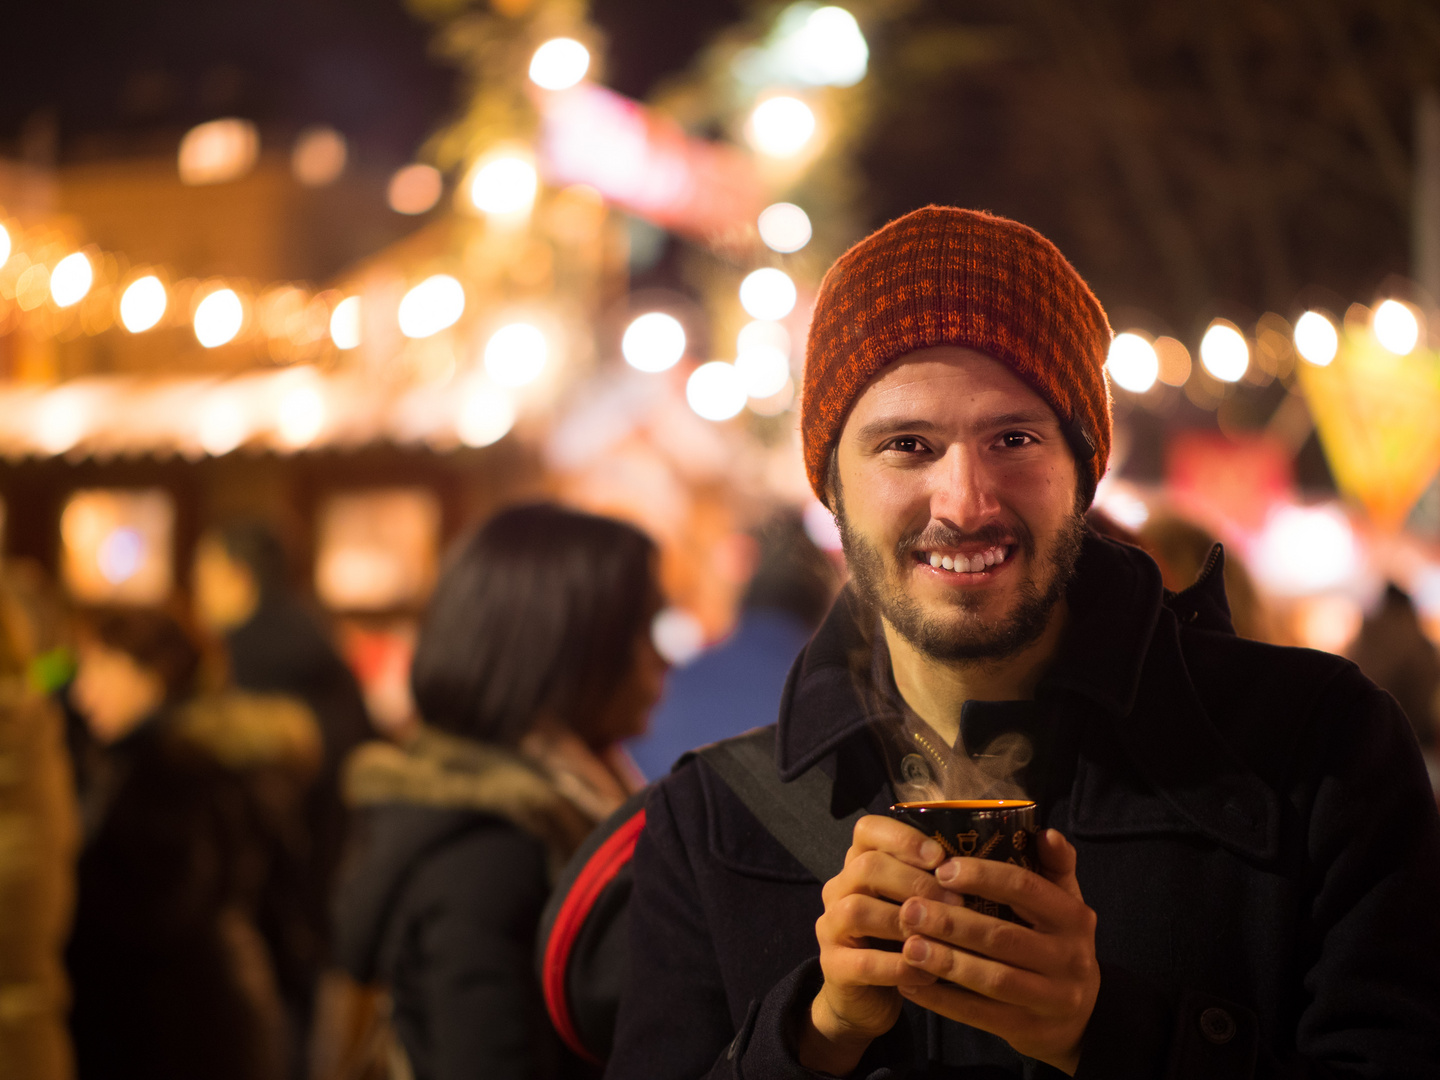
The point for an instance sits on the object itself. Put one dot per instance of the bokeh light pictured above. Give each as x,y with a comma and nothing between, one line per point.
1174,360
516,354
414,189
1316,338
486,416
143,304
222,424
677,635
763,371
1224,351
559,64
654,341
715,391
433,305
218,151
822,46
218,318
504,185
781,126
1303,550
319,156
301,416
71,279
1395,326
1133,363
768,294
784,227
345,326
762,333
4,245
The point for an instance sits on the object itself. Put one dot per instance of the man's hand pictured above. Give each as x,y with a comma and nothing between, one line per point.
1033,986
888,863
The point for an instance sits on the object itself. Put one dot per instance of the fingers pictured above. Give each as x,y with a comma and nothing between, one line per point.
1044,904
1057,860
879,873
1006,942
988,978
908,844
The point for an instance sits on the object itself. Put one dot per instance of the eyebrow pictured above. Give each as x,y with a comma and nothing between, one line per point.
890,425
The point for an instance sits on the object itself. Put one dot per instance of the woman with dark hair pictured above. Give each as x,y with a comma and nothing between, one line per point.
534,661
171,977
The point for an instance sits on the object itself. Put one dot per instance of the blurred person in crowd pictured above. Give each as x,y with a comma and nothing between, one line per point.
171,976
1182,550
1393,649
534,662
735,685
39,837
275,645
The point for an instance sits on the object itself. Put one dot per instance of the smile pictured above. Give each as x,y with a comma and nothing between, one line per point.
962,564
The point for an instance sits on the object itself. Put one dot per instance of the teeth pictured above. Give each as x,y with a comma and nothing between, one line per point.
935,559
947,562
999,556
990,557
960,564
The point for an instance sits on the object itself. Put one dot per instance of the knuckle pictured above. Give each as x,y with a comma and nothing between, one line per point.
1088,920
999,938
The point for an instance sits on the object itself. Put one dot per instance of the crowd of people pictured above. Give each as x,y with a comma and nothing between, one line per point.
211,865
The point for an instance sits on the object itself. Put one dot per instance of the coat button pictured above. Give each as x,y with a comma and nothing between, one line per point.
1217,1025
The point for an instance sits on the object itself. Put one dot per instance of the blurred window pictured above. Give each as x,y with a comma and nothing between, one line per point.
116,546
377,549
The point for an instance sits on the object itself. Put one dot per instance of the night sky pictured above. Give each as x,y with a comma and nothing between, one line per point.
128,77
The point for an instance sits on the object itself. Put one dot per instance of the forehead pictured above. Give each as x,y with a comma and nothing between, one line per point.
948,383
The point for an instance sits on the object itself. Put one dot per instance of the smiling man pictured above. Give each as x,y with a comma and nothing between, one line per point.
1239,865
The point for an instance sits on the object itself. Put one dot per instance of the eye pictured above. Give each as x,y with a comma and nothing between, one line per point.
1015,440
907,444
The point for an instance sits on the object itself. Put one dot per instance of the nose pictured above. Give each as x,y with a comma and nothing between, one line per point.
963,492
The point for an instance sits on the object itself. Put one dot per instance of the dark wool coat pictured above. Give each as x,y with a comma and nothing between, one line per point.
1254,830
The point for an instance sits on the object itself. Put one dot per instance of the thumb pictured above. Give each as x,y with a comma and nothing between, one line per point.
1057,861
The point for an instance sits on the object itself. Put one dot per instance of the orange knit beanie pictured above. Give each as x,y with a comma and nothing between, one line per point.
946,276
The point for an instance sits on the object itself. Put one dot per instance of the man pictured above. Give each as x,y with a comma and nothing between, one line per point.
1239,858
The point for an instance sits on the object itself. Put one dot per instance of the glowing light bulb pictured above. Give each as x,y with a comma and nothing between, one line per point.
559,64
715,391
414,189
653,342
1316,338
486,416
1395,326
784,227
434,305
515,354
4,245
319,156
768,293
142,304
222,425
822,46
345,326
1133,363
781,126
504,185
218,151
71,279
1224,352
218,318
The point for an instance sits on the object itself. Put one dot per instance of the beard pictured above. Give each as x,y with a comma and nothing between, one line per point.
964,633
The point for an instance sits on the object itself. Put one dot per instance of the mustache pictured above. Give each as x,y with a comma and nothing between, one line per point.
937,534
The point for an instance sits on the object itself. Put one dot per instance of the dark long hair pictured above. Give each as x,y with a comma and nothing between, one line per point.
538,611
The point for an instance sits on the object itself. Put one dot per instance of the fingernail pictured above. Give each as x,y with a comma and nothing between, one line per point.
917,949
912,911
931,852
948,872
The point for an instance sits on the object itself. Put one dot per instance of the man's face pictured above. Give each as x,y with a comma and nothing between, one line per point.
949,458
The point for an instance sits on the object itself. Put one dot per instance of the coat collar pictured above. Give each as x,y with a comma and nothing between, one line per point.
1121,658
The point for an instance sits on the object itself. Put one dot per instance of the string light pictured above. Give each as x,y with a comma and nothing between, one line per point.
715,391
345,326
71,279
1224,352
1316,338
414,189
559,64
218,151
218,318
767,293
1395,327
504,185
515,354
1133,363
784,227
781,126
319,156
4,245
486,416
653,342
142,304
434,305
